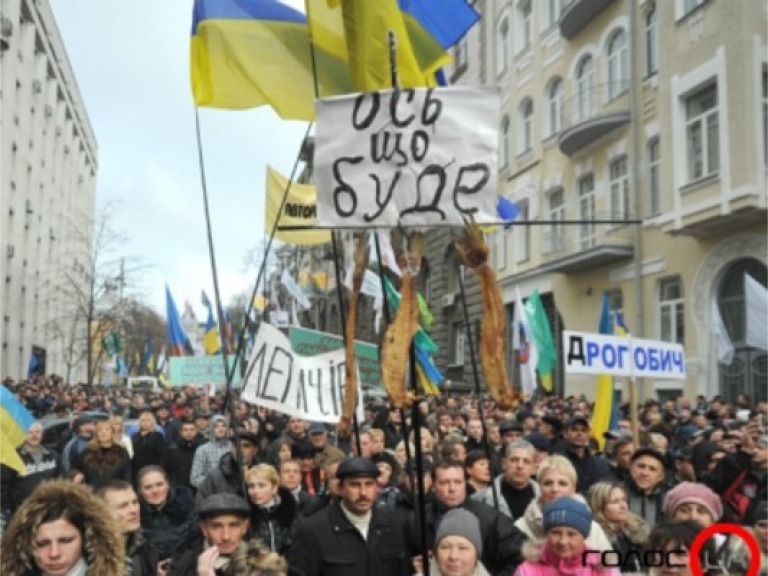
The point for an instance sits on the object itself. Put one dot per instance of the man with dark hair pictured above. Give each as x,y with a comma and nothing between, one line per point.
82,427
502,541
589,468
351,535
124,505
228,475
178,456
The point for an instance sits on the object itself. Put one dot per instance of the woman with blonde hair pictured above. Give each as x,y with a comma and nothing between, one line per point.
62,529
274,510
625,529
118,429
557,477
104,459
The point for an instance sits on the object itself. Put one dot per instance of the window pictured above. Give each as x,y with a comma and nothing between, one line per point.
587,211
671,311
618,67
523,240
552,13
654,183
651,46
502,47
459,338
505,143
585,83
616,306
765,116
525,141
461,54
500,245
555,237
555,101
702,133
526,12
619,189
689,5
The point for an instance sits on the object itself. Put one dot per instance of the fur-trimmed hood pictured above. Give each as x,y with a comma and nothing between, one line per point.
103,546
636,529
255,558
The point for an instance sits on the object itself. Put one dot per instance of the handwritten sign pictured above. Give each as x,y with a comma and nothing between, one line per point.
311,342
197,370
310,387
416,157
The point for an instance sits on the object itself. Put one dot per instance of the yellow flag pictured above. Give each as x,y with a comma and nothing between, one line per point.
300,209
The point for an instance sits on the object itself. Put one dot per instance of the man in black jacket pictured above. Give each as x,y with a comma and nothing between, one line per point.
228,475
352,535
502,541
589,468
178,457
124,504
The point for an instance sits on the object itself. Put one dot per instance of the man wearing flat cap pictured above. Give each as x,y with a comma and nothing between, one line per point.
223,528
351,535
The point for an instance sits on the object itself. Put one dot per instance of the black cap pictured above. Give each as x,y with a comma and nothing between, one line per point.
248,436
317,428
523,414
578,420
510,426
649,452
80,420
539,441
357,468
224,503
553,421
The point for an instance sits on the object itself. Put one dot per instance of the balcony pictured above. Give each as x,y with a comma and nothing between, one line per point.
593,113
572,248
578,14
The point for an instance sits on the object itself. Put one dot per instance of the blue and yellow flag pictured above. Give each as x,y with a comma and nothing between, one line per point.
211,341
601,415
15,420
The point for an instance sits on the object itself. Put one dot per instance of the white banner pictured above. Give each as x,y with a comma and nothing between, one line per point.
309,387
756,302
295,290
586,353
416,157
371,285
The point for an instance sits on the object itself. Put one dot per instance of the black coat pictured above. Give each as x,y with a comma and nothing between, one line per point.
166,527
590,469
276,526
101,465
226,477
16,487
328,545
177,460
147,449
502,541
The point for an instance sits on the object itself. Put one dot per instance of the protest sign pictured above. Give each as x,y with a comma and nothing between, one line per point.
416,157
309,387
199,370
586,353
311,342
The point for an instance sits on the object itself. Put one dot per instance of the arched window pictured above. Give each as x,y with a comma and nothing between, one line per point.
618,64
505,143
525,141
585,88
555,106
502,47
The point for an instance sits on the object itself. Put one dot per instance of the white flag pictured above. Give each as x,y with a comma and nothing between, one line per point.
756,301
527,370
722,340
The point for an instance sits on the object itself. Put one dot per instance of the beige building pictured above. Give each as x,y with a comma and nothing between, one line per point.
48,164
633,137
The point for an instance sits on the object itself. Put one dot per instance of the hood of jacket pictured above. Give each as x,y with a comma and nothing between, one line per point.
284,513
255,558
103,546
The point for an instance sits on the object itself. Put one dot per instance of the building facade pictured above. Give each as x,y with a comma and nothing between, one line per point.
48,166
633,138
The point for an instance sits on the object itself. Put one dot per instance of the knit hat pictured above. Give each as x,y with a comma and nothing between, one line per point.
567,511
687,492
460,522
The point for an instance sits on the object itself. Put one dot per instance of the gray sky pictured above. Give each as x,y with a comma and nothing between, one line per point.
131,60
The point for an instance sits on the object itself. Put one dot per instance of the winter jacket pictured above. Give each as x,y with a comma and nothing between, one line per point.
541,561
752,488
632,538
532,524
72,451
276,525
178,458
646,505
101,465
137,559
167,526
227,477
327,544
207,457
42,465
589,468
502,541
486,495
147,450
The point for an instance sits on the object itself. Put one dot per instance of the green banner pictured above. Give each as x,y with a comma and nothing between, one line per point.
311,342
198,370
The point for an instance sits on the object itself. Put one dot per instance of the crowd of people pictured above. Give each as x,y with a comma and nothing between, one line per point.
182,483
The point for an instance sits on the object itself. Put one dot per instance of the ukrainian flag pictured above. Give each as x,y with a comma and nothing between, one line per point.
601,415
15,420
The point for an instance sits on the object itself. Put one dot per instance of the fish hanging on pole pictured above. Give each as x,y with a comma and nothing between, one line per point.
473,252
351,384
400,334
